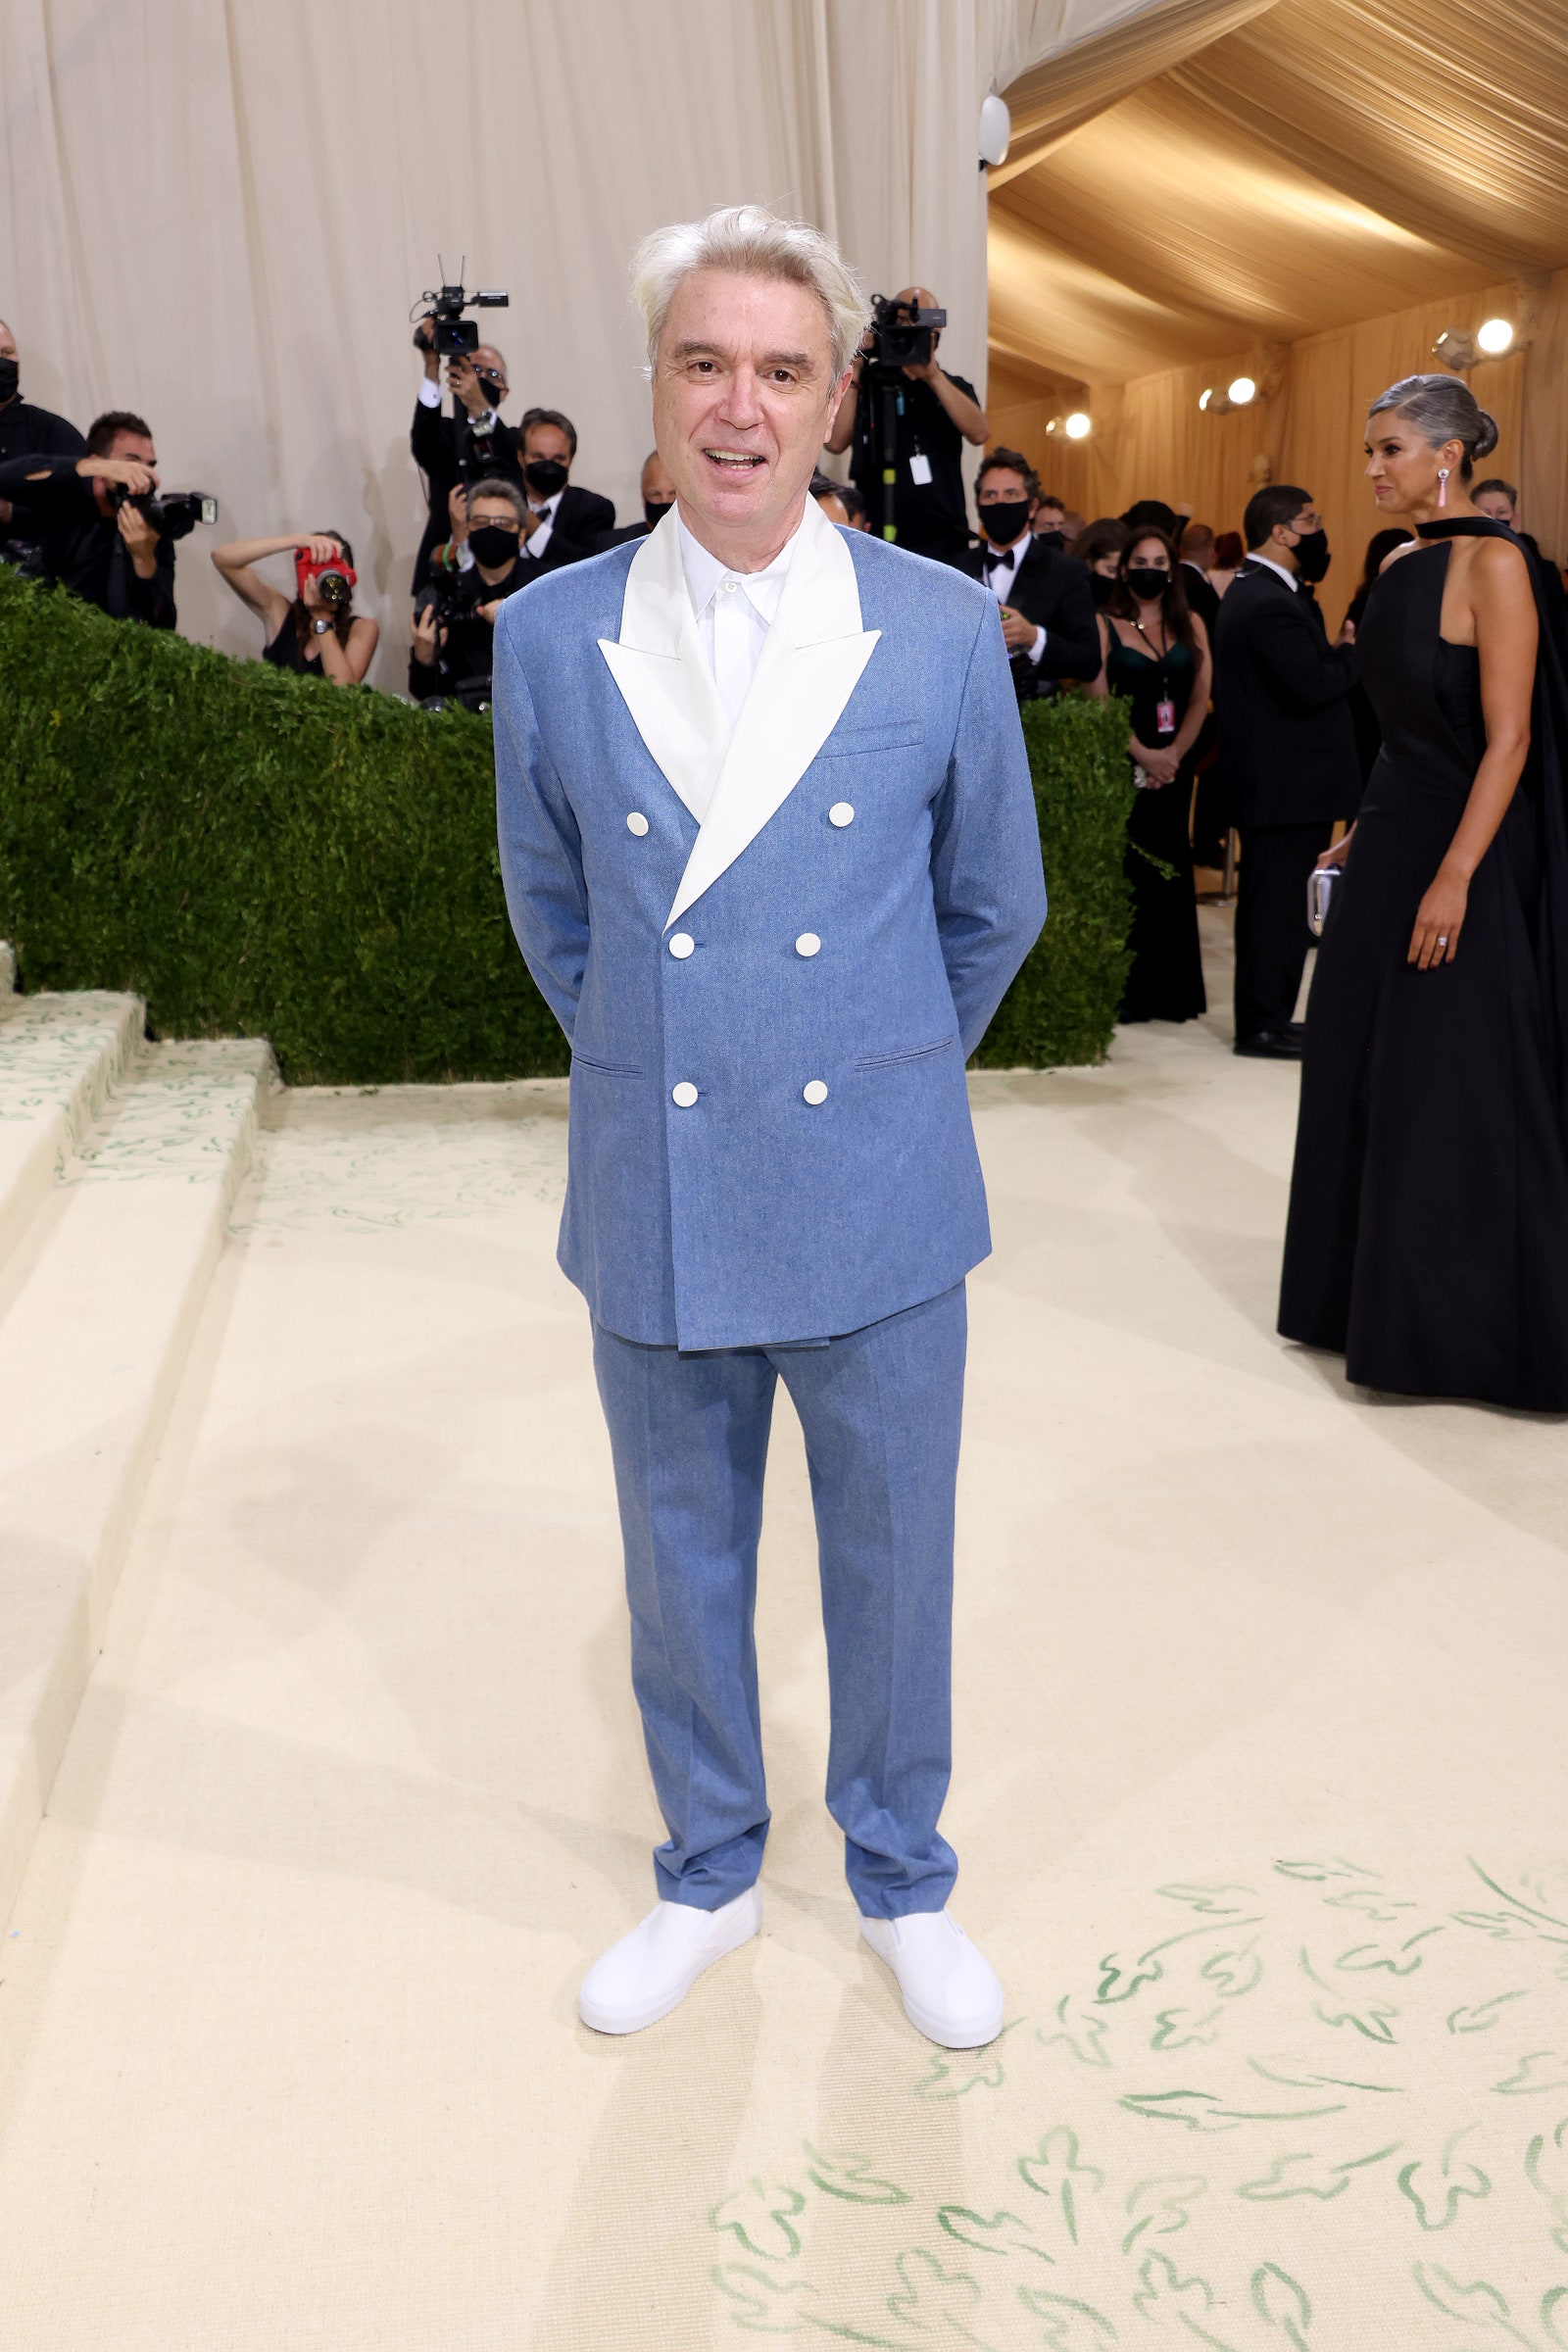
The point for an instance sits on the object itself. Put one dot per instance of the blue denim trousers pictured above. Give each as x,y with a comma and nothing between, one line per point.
881,1410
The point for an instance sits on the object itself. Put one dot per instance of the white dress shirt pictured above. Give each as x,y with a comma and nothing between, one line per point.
1000,575
735,610
1277,570
539,538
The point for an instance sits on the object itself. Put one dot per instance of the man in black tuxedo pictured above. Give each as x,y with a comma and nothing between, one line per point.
1501,500
1048,610
1287,754
564,523
1197,559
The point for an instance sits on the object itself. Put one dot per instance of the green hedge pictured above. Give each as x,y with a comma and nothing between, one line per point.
262,855
1062,1006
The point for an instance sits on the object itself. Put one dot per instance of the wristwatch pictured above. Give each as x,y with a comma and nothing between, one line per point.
318,628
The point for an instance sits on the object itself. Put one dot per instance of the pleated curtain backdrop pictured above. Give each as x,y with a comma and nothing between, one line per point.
219,214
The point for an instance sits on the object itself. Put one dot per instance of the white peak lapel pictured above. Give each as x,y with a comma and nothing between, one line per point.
811,666
662,673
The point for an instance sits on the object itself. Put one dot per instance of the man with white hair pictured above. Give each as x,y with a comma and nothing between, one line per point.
771,850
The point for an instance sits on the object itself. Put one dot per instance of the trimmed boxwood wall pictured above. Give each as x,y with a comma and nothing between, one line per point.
262,855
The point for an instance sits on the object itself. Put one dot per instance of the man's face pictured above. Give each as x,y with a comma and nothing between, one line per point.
922,298
744,394
136,447
8,351
1494,503
1049,516
659,483
497,514
1286,536
1002,487
546,441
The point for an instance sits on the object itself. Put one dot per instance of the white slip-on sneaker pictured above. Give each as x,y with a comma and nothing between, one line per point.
650,1971
951,1994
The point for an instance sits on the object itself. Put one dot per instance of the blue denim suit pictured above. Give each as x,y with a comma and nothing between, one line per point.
770,1142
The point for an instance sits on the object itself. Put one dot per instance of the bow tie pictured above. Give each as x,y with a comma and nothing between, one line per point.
996,555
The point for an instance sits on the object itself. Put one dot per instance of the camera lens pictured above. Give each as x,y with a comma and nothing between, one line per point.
334,589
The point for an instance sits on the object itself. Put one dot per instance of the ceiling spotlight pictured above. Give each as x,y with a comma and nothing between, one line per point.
1496,336
1242,392
1206,396
1051,424
1078,426
1455,349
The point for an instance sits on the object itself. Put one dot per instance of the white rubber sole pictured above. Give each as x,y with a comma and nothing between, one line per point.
746,1924
949,2033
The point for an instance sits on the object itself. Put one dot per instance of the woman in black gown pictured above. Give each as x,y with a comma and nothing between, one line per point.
1428,1230
1156,654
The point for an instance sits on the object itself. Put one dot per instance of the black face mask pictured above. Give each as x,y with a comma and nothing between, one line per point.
546,475
493,544
1102,586
1312,557
1056,539
10,379
1143,580
654,510
1003,518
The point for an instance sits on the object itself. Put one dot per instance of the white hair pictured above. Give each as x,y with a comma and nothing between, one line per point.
755,243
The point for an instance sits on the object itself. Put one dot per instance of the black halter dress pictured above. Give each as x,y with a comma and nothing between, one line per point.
1428,1229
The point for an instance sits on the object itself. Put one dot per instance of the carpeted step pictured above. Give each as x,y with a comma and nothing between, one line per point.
59,1057
91,1347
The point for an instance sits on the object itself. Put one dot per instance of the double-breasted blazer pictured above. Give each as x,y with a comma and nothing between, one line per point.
771,948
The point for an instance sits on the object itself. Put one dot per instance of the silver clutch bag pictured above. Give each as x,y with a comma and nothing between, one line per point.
1321,884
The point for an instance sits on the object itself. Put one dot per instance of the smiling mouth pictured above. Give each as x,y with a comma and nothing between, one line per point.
734,460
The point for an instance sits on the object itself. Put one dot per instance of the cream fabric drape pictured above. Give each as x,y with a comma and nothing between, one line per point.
218,212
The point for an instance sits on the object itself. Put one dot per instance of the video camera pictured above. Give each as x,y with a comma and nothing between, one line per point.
173,513
904,333
453,334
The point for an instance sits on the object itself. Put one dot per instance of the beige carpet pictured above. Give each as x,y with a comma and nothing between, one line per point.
1260,1800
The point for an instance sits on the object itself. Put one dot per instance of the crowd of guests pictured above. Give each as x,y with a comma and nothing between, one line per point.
1248,728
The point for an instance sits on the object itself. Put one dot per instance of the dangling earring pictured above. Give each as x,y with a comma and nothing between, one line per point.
1443,485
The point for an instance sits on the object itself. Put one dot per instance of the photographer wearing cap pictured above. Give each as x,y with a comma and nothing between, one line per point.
937,413
454,618
97,540
470,443
25,431
316,631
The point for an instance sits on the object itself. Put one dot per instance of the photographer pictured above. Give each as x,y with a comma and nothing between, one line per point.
470,443
937,413
455,618
25,431
97,541
317,630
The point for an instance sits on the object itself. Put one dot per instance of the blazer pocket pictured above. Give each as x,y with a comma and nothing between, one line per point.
896,737
606,1069
887,1062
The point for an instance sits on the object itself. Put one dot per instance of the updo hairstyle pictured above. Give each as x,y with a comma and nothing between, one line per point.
1441,409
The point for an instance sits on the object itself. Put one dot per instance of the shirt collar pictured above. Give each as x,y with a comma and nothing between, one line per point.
706,573
548,510
1013,554
1277,570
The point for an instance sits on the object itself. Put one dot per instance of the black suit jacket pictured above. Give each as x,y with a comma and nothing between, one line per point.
1282,706
1201,599
580,522
1053,591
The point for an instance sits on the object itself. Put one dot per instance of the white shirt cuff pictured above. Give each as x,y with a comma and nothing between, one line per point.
429,393
1039,644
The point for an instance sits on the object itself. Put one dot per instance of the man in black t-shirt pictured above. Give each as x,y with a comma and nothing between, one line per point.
937,413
